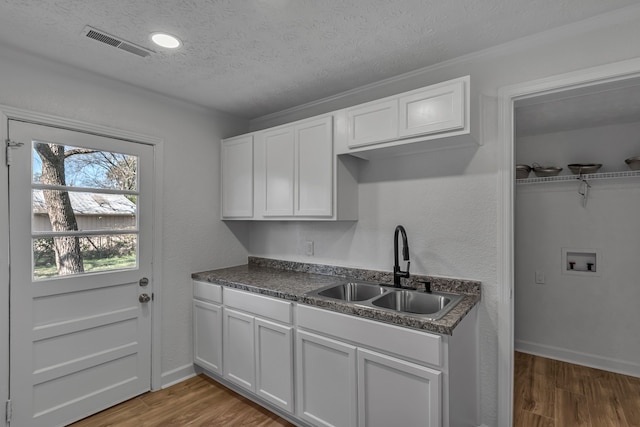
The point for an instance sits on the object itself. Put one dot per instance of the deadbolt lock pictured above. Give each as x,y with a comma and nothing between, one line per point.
144,281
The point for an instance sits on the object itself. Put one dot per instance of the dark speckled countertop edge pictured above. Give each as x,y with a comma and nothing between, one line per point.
293,280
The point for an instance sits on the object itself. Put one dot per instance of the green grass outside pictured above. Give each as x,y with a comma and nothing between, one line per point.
90,266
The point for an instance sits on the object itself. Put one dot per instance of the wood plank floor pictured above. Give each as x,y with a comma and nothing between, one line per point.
550,393
199,401
547,393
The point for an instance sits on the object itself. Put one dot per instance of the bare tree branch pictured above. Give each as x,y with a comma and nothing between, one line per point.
74,151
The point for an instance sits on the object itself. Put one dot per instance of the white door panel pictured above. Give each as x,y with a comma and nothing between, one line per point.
79,343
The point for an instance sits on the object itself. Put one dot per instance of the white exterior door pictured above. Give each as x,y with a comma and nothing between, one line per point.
80,246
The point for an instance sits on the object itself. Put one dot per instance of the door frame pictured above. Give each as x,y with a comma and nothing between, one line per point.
6,113
507,96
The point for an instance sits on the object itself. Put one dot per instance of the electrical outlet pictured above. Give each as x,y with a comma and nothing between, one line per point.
308,247
539,277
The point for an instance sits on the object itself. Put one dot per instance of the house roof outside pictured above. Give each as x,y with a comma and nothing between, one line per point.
90,204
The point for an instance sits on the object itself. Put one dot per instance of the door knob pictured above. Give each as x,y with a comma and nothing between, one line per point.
144,298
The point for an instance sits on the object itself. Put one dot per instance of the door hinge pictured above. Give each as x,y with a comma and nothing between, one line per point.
10,145
9,411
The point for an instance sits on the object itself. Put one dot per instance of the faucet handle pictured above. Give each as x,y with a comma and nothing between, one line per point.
427,286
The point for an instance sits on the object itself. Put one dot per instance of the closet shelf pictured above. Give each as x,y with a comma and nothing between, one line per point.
588,177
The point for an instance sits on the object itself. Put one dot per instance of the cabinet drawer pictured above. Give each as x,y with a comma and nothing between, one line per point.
420,346
270,308
207,291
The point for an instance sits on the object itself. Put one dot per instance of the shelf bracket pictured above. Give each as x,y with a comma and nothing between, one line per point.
583,190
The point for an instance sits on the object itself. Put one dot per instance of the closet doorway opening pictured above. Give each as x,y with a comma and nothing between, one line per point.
570,243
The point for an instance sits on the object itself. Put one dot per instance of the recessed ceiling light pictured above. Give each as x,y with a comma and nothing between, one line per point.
166,40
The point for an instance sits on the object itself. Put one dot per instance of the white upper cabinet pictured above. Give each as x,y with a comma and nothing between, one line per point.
434,110
372,123
279,160
237,177
314,168
436,116
289,173
298,169
299,178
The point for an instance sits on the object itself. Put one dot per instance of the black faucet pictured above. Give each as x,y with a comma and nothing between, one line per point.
397,273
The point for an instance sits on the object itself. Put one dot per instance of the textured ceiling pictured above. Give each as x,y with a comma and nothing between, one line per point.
255,57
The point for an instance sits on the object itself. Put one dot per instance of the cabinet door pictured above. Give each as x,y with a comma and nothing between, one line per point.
279,171
207,336
433,110
392,392
314,168
372,123
238,345
326,381
236,159
274,363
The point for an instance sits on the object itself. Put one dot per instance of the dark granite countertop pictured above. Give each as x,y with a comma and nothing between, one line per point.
291,281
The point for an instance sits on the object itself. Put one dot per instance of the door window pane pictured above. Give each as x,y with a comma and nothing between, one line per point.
93,218
97,253
92,211
83,167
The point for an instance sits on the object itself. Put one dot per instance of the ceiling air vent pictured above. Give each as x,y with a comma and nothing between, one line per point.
106,38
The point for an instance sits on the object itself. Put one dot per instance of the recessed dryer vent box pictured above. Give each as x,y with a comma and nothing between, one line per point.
587,262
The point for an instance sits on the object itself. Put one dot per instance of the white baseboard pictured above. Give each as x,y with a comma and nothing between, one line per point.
579,358
177,375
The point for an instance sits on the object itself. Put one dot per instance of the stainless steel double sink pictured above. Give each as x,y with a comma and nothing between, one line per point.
429,305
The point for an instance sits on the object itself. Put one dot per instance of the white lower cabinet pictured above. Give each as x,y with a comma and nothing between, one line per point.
207,326
397,376
258,353
238,344
349,371
207,331
392,392
326,381
339,384
274,363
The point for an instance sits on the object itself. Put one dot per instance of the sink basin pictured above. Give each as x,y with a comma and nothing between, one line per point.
352,291
433,304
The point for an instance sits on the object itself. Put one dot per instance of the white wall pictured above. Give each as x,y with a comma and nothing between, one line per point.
588,318
193,237
446,199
